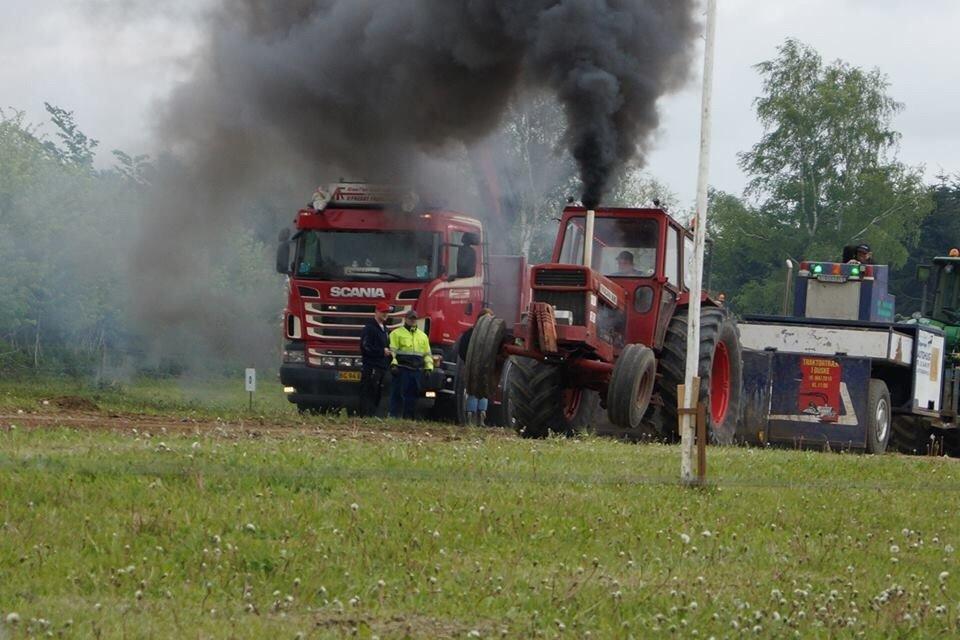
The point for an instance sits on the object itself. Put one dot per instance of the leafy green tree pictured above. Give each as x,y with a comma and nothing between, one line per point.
823,175
939,233
77,149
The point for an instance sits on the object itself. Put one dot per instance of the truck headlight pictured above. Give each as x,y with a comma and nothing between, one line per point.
345,362
294,356
329,362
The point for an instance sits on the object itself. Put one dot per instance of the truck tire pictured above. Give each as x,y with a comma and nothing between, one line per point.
631,386
540,402
721,374
909,434
480,369
879,416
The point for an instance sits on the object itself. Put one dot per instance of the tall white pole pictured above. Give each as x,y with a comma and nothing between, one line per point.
700,236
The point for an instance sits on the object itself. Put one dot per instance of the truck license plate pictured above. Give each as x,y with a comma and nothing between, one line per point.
348,376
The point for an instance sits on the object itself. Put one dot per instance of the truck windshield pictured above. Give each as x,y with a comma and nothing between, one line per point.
622,247
368,255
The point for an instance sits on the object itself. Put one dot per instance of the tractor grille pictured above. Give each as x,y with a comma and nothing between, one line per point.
561,278
573,301
345,321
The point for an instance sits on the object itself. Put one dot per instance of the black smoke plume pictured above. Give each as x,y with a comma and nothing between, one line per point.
359,84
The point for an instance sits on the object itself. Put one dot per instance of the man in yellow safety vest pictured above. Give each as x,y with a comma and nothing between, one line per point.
411,356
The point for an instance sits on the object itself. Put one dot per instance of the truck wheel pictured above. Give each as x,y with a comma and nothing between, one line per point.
541,403
879,417
480,369
631,385
909,434
720,370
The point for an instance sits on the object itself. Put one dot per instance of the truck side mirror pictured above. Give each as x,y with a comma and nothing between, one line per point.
283,252
923,273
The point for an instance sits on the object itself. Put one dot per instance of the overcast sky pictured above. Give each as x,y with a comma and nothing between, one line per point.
110,61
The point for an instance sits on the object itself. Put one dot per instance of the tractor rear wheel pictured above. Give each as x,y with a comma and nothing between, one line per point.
541,403
631,386
720,372
480,368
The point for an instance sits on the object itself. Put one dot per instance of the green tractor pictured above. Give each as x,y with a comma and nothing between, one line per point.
940,433
945,314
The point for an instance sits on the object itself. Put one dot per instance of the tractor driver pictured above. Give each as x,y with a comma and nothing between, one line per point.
862,255
625,265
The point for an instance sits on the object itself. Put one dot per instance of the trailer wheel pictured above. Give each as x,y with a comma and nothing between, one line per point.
541,403
631,386
480,369
909,434
879,417
720,371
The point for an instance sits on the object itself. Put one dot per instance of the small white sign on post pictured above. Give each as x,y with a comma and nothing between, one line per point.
250,382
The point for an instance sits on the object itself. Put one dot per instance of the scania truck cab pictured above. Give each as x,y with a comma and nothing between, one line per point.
354,246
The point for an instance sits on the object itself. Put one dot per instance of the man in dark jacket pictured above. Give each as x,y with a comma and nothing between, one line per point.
375,348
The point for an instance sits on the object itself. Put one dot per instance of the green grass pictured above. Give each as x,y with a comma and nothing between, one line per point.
451,533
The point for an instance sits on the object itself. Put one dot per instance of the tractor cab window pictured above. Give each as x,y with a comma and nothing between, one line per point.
622,247
949,294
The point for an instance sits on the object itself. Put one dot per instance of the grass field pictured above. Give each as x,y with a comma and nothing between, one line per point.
333,528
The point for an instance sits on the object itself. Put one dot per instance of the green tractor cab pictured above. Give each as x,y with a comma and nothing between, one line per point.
943,276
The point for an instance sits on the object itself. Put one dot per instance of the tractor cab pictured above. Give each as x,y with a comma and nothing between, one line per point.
944,276
639,254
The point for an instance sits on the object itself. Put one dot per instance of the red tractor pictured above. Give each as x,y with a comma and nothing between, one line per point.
607,326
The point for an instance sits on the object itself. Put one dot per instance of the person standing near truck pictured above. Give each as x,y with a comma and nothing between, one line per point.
375,349
411,357
476,408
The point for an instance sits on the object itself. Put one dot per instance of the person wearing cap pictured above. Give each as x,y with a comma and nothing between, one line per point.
625,265
375,349
862,255
411,356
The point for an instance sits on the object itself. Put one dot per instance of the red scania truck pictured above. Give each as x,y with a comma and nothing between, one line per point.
356,245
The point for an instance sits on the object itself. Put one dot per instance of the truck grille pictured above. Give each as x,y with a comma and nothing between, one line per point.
345,322
561,278
573,301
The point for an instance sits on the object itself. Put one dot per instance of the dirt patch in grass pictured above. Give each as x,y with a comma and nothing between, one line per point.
254,427
75,403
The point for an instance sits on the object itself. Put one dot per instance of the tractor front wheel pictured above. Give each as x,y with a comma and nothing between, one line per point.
541,403
720,371
631,386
